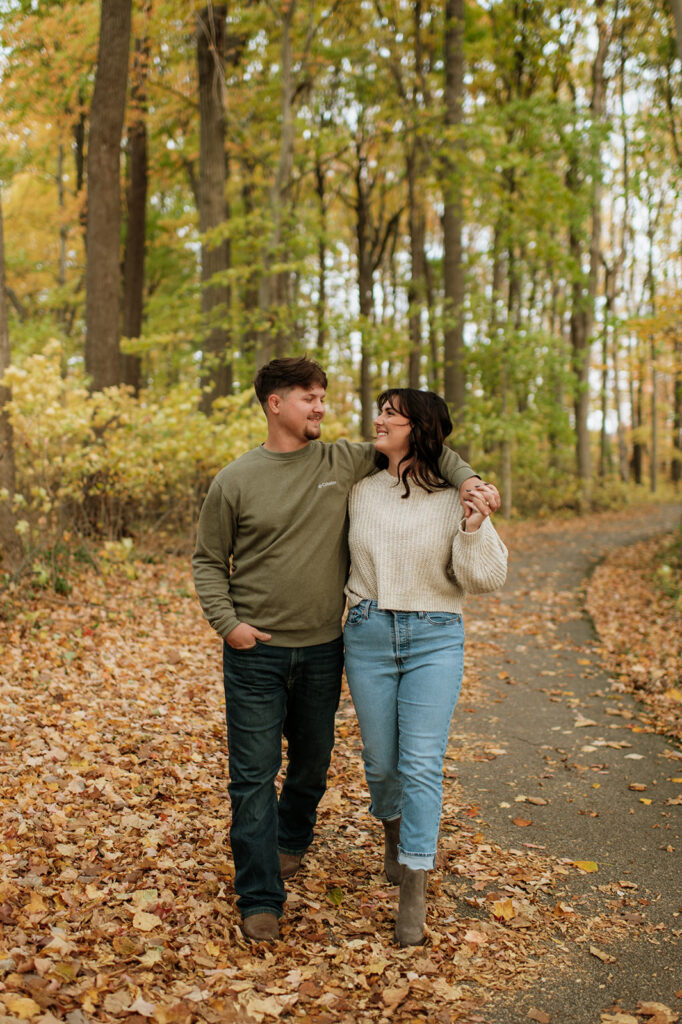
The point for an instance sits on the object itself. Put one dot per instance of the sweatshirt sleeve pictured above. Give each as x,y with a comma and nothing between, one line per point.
211,561
357,458
453,468
479,559
361,454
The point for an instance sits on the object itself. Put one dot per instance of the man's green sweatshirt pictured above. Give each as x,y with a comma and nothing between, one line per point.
272,547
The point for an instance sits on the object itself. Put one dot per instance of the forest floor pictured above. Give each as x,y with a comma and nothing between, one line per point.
557,895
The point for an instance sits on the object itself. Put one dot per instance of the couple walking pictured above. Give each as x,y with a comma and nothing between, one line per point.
271,567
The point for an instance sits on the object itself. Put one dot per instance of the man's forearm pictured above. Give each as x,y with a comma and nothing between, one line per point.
211,583
453,468
210,563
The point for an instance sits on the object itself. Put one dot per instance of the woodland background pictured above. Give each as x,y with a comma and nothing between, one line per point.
482,198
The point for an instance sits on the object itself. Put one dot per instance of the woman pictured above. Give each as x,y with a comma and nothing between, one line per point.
415,552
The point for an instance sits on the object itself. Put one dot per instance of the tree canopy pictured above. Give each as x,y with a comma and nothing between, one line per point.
480,198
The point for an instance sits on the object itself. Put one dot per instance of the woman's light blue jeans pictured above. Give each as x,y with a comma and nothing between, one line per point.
404,671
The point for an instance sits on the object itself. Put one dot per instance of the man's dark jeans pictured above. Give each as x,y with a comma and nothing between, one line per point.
270,692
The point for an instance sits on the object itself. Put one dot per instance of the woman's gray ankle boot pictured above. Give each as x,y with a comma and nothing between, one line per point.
409,929
391,837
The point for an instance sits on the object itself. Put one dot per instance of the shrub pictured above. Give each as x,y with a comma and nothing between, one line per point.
107,465
668,575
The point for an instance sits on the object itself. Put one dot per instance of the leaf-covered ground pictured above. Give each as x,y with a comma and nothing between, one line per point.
645,657
116,895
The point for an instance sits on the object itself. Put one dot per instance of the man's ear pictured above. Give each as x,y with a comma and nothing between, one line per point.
273,403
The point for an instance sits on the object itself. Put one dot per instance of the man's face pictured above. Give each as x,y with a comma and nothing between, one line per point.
300,412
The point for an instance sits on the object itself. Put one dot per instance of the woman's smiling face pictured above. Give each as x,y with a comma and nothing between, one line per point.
392,432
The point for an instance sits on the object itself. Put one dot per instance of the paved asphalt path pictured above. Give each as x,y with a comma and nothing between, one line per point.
536,632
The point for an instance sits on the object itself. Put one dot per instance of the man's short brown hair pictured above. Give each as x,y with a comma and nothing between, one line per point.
284,374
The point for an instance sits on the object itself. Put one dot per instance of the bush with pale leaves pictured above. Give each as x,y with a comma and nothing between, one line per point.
108,464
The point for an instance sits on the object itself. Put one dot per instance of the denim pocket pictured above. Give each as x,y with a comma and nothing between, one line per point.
240,651
355,615
442,618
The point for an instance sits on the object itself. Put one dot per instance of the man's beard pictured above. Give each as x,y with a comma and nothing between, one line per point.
313,429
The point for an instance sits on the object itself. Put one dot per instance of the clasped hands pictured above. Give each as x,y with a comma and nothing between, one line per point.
479,500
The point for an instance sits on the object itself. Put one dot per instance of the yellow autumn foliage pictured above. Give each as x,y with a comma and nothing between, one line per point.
108,463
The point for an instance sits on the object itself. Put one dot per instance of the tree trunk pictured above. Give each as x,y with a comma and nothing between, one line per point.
434,349
216,367
250,288
417,160
10,545
676,462
103,286
584,290
654,206
610,350
366,303
136,202
556,384
453,268
636,412
415,288
63,233
676,6
373,234
497,338
604,446
274,283
620,426
653,468
78,130
625,233
605,460
321,307
423,102
506,393
581,336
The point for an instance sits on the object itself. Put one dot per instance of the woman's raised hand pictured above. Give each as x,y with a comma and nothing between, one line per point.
479,502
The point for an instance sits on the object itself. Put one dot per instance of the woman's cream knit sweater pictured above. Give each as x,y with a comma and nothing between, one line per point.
412,554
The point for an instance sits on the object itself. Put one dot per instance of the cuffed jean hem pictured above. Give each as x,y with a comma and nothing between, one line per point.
277,911
292,853
417,861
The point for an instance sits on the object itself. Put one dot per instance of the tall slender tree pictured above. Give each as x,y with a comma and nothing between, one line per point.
585,282
103,236
676,461
136,206
454,382
274,282
408,63
375,226
216,371
10,546
676,6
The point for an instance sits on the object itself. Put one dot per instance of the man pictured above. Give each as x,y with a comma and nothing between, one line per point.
270,565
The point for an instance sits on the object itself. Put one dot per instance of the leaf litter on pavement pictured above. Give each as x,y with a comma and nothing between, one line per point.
645,658
116,894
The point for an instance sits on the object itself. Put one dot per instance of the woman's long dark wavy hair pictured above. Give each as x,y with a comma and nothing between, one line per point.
430,424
